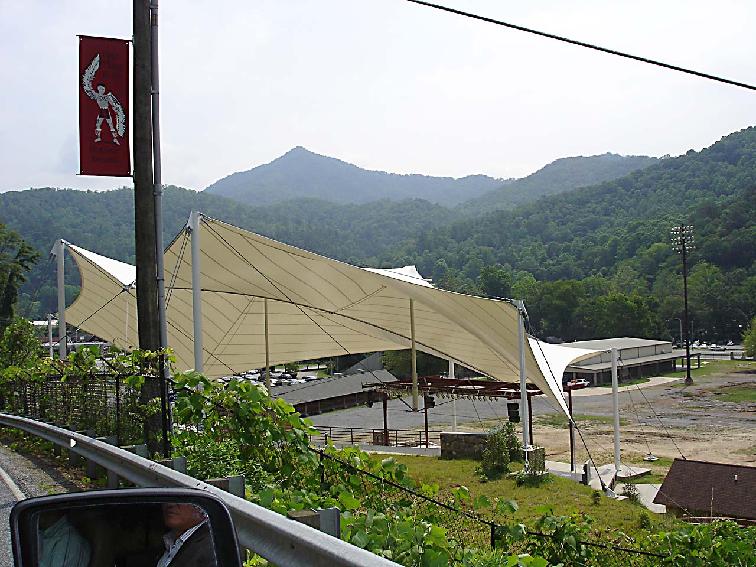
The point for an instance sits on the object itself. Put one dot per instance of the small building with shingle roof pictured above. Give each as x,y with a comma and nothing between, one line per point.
705,489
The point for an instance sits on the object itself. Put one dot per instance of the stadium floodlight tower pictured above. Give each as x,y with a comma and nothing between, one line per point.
682,241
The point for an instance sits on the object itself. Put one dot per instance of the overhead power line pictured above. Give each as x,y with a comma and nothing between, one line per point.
583,44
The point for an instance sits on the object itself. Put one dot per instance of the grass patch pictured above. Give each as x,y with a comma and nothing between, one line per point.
709,367
560,421
563,495
738,394
747,450
659,468
650,478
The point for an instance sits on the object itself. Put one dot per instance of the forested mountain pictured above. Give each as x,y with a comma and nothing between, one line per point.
613,238
104,222
300,173
559,176
590,263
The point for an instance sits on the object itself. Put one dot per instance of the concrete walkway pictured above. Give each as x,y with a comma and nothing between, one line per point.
604,390
646,493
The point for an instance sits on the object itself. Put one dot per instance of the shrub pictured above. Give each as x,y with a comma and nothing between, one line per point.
532,479
596,497
497,454
631,492
19,345
644,520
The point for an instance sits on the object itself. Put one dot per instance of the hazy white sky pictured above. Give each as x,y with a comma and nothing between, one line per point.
383,84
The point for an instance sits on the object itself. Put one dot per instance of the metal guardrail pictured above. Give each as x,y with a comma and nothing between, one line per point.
276,538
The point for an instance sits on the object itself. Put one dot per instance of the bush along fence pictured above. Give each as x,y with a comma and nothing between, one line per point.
86,392
234,428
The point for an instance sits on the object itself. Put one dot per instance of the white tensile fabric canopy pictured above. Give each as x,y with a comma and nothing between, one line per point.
317,307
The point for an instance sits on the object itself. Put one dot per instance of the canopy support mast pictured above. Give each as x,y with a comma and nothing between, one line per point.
415,393
59,251
523,383
267,347
195,218
454,398
49,336
615,410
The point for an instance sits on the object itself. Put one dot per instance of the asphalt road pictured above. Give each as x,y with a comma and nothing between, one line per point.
22,477
670,403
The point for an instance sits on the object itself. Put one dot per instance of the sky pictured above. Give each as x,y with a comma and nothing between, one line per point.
383,84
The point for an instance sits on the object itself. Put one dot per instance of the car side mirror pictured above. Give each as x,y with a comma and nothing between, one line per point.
124,528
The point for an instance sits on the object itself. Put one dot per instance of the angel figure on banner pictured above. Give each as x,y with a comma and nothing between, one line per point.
105,101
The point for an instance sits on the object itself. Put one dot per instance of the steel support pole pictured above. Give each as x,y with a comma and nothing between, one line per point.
195,220
524,412
454,398
384,400
60,249
572,432
50,336
425,408
267,347
615,410
415,392
530,419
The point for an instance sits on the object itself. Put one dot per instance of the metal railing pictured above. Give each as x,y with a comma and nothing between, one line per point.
278,539
100,402
376,436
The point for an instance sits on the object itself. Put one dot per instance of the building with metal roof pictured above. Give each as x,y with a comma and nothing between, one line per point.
638,357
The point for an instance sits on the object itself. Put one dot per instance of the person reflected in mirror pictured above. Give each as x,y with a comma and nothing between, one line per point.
188,542
60,544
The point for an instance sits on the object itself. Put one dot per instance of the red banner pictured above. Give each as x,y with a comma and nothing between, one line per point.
104,106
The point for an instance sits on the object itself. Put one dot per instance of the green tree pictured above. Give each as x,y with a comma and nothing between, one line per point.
19,345
708,298
399,363
16,258
749,339
618,314
495,281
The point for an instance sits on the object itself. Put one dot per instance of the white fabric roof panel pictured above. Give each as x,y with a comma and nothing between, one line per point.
317,307
106,305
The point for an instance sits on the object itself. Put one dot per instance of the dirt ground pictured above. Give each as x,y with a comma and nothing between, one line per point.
712,420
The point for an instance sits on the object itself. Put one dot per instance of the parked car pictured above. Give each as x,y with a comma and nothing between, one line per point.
578,383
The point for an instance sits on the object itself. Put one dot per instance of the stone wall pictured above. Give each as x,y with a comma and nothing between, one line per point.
461,445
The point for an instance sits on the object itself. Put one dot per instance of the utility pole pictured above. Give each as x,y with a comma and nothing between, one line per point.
157,196
145,219
144,202
682,241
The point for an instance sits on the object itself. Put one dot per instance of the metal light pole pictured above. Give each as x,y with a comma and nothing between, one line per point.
682,240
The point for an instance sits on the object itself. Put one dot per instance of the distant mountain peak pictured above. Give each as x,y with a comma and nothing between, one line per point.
302,173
